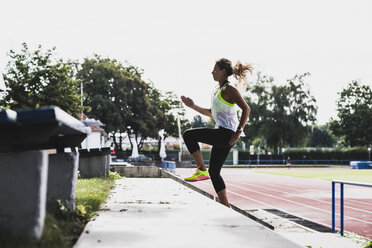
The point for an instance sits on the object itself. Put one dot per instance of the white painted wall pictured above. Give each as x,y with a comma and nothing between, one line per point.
93,140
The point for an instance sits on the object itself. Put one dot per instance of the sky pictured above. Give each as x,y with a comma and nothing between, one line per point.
176,43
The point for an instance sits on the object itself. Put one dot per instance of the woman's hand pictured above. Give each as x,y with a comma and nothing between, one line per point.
187,101
234,138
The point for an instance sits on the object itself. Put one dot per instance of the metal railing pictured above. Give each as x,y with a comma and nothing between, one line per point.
304,162
341,202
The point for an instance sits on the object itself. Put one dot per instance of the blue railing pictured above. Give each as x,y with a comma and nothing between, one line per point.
328,162
304,162
341,202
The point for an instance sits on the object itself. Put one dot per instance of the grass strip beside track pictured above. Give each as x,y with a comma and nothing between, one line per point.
328,174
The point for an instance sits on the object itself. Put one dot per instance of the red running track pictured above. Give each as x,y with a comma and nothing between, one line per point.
309,199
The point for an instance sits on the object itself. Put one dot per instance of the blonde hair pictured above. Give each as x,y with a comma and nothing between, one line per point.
239,71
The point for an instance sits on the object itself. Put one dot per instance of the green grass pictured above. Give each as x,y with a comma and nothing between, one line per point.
62,229
328,174
91,193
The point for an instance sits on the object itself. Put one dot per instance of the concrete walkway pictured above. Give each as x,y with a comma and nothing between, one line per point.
160,212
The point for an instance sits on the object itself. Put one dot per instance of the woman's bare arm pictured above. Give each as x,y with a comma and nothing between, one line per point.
190,103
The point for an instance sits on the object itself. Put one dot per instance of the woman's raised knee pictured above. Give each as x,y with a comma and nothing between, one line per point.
187,134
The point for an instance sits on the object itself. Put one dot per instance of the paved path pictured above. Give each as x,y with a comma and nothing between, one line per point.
161,212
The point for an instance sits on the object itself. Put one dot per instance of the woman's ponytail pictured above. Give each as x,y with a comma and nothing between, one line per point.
240,73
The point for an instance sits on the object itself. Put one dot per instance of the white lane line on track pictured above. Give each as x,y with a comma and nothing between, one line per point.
305,205
269,205
337,193
249,198
326,202
357,201
346,199
298,203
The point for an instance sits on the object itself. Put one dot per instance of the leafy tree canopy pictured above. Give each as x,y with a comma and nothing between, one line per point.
280,113
35,78
354,115
120,98
198,122
106,91
320,137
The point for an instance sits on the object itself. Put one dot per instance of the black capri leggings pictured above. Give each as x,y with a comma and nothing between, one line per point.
219,139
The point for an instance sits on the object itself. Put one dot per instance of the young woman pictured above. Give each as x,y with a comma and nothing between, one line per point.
228,127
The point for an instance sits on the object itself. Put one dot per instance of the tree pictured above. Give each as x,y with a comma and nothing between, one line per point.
169,104
147,116
197,122
211,123
35,78
258,100
320,137
175,109
280,114
106,90
121,99
124,102
354,115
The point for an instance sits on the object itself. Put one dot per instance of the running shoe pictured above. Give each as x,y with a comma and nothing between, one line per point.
198,176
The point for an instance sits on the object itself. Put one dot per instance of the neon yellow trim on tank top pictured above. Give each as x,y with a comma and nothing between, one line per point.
223,100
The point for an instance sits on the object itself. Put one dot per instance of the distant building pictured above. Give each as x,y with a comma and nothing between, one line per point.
97,138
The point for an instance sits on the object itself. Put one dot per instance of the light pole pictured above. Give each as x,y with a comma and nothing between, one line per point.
128,133
369,153
179,138
81,95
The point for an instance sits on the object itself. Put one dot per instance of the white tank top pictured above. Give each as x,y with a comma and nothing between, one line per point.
224,113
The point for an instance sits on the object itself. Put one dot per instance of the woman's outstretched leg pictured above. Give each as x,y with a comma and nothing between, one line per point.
223,197
218,158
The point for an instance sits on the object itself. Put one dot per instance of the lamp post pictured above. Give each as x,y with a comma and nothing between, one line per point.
81,100
128,134
369,153
179,138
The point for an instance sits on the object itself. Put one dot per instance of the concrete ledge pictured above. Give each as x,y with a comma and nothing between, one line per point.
184,164
93,166
145,163
23,189
138,171
62,179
